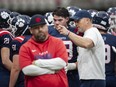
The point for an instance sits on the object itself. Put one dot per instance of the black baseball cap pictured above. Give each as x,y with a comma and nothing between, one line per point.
81,14
37,20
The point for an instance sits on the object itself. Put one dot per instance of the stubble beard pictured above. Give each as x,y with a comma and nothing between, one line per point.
41,37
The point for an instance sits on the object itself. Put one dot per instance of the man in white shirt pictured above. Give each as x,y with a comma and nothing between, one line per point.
91,59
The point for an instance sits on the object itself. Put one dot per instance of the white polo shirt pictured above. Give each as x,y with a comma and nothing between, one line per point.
91,62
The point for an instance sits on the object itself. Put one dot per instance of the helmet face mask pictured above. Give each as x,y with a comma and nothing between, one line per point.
20,25
49,18
12,16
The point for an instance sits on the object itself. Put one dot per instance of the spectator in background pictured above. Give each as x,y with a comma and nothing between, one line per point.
101,21
61,17
43,57
91,59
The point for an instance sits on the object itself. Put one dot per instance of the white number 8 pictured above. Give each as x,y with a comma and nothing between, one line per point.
107,54
69,44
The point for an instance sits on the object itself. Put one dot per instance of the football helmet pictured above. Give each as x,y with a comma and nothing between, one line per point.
111,11
4,18
92,12
101,20
49,18
20,25
12,16
72,11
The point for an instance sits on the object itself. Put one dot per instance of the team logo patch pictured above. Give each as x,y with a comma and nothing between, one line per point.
38,19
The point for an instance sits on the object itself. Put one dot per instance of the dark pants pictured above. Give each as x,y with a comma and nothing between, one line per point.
73,79
110,81
4,79
93,83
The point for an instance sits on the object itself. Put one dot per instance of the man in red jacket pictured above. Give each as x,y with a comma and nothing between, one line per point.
43,57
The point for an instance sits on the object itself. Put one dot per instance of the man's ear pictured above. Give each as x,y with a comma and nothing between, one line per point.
88,20
67,18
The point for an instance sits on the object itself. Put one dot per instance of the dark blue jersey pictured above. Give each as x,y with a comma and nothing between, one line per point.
71,47
5,38
15,47
17,43
73,78
110,44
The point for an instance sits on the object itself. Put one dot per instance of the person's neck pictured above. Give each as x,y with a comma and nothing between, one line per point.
88,27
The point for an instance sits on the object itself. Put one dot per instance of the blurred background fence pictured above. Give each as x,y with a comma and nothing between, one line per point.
41,6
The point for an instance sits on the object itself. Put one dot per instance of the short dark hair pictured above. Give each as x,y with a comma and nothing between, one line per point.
61,11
